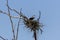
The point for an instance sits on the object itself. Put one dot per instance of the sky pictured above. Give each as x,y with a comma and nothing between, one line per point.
50,17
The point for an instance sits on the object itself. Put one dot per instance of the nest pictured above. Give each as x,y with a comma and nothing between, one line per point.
32,24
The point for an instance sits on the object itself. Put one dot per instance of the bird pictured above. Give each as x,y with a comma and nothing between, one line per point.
31,18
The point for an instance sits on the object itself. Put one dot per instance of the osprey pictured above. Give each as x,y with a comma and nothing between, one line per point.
31,18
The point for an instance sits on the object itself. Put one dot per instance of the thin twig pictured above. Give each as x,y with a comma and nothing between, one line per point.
2,38
39,15
8,14
11,22
14,10
18,26
17,29
20,14
3,12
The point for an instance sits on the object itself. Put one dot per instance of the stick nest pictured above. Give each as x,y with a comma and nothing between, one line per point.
32,24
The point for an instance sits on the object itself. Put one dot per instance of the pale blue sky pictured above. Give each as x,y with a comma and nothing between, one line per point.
50,17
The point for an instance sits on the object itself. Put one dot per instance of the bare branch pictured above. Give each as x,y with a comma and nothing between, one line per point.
15,17
8,14
3,12
2,38
41,30
14,10
18,26
23,16
17,29
0,11
39,15
11,22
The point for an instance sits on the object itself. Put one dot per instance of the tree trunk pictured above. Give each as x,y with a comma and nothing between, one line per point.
35,35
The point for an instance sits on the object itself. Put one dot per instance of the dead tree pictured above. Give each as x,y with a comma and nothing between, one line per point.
31,23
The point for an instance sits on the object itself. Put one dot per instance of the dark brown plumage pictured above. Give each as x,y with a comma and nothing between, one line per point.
31,18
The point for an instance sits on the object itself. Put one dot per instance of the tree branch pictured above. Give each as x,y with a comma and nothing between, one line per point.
35,35
8,14
14,10
39,15
11,21
18,26
2,38
17,29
